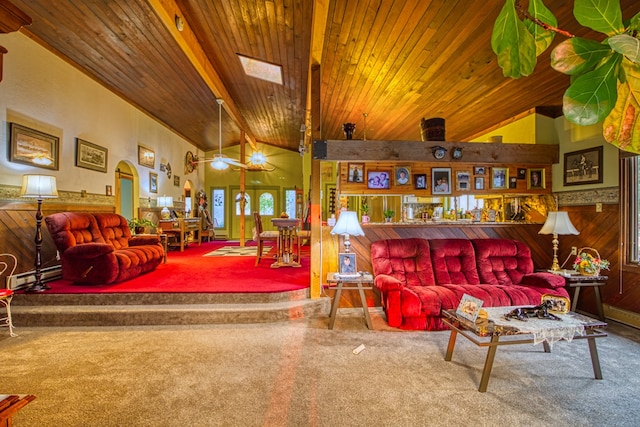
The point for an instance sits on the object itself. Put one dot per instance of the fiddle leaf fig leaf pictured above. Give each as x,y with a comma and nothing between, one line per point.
627,46
622,126
543,37
591,96
604,16
513,44
577,55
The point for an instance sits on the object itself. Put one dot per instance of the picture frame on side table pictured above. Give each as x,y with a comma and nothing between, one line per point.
355,172
441,180
469,307
32,147
347,262
153,182
499,178
583,167
91,156
146,157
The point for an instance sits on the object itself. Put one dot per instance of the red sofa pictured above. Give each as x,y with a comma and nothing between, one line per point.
418,278
99,249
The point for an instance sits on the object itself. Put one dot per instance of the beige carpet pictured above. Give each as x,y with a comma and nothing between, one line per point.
301,374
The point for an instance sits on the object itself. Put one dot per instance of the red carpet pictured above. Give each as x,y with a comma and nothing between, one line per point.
190,271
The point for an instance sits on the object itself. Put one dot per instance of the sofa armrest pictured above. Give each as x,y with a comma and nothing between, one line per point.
88,250
144,240
543,280
387,283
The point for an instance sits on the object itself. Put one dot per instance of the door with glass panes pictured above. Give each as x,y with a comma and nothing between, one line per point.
257,199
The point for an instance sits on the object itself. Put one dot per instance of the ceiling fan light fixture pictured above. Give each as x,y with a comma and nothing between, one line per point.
218,162
257,158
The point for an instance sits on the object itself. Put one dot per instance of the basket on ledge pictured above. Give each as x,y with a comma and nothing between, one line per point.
588,268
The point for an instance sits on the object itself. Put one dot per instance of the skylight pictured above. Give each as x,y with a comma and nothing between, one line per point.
261,70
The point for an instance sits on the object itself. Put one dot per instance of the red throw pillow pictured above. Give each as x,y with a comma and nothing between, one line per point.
544,280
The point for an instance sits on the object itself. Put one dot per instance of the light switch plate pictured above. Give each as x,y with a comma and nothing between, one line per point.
598,207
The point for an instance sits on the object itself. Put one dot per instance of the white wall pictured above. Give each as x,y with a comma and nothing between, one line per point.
41,91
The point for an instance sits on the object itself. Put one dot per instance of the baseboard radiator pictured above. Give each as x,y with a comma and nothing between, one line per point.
25,279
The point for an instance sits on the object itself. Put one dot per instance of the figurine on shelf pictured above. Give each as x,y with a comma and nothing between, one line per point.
348,129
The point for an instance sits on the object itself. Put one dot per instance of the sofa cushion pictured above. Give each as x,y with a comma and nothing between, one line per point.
407,260
69,229
454,261
114,228
544,280
502,261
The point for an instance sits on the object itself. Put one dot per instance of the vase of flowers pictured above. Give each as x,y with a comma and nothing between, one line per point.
589,263
364,209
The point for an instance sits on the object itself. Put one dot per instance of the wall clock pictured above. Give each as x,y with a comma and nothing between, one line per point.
457,153
190,162
439,152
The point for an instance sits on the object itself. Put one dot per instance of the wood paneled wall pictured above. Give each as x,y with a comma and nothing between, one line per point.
18,228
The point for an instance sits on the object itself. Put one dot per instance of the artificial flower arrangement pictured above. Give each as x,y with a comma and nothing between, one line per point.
588,264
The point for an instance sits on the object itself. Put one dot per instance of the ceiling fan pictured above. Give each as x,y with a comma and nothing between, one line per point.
219,161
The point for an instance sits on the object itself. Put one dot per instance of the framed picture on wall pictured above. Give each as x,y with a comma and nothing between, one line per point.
479,183
33,148
535,178
153,182
403,175
583,167
463,180
420,181
499,178
441,180
91,156
146,157
378,179
356,172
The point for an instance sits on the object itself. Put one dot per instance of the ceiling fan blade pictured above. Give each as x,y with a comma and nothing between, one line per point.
234,162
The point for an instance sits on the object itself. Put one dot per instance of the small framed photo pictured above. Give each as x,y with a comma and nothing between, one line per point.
522,173
535,178
33,148
153,182
176,180
146,157
499,178
109,190
420,181
559,304
469,307
440,179
478,170
479,183
403,175
378,179
91,156
583,167
463,180
356,172
347,262
513,182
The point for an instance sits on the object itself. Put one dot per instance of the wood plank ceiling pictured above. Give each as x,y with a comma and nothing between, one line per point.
396,61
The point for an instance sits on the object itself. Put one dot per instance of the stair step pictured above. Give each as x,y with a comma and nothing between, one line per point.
166,314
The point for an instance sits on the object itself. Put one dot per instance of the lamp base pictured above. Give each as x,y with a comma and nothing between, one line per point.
165,213
37,287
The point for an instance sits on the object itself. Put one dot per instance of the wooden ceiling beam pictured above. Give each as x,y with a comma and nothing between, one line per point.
167,11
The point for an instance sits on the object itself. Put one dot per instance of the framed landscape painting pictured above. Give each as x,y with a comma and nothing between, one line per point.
91,156
32,147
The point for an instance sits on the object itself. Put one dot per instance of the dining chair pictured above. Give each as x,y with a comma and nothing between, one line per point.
6,295
261,236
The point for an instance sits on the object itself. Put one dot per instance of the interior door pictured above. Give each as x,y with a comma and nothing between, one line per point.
265,200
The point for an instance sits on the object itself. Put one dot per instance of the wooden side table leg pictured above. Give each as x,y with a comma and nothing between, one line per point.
596,291
334,305
488,363
595,360
576,294
451,345
365,307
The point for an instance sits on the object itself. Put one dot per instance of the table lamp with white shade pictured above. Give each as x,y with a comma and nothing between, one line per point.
165,202
348,225
557,223
38,187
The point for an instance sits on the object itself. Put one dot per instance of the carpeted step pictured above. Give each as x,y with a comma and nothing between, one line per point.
167,314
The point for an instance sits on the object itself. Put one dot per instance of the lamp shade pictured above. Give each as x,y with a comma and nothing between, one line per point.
348,224
558,223
165,201
39,186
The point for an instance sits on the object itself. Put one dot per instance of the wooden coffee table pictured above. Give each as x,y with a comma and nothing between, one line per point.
495,331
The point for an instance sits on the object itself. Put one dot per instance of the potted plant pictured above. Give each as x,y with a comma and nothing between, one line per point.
138,225
364,209
388,214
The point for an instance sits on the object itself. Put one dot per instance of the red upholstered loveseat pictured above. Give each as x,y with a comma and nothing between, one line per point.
98,248
418,278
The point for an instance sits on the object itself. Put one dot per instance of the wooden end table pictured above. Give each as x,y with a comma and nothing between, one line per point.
579,282
350,283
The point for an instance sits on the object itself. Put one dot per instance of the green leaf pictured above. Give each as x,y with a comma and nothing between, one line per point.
604,16
543,37
627,46
622,126
514,46
591,96
577,55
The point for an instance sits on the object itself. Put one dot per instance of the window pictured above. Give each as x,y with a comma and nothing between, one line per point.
267,207
290,203
217,195
631,198
247,206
